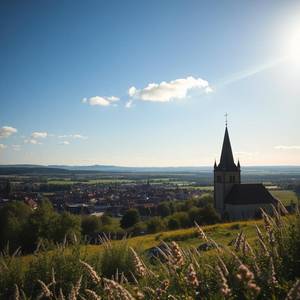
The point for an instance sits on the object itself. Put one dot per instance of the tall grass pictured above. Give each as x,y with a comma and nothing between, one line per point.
269,268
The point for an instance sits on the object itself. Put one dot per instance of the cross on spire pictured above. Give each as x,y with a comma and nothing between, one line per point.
226,120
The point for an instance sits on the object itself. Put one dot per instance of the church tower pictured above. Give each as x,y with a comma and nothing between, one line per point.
226,175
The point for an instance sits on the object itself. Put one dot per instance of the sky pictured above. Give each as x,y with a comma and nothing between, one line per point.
147,83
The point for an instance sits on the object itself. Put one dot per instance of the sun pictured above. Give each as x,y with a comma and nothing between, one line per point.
294,48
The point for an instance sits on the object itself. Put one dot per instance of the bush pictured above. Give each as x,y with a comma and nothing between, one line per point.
130,218
155,224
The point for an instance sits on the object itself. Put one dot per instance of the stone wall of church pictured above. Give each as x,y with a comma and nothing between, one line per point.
223,183
249,211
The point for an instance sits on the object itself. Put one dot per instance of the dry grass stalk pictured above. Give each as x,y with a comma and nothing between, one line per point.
45,290
138,294
201,233
272,278
139,265
114,288
93,274
61,295
75,290
191,276
294,292
224,288
92,295
16,293
177,259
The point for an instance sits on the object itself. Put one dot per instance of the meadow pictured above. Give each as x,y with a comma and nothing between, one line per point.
246,262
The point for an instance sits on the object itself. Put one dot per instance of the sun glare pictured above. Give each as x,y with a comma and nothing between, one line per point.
294,48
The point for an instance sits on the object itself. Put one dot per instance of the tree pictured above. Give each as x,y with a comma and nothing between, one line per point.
155,224
90,225
173,224
163,209
182,219
68,226
130,218
13,216
42,224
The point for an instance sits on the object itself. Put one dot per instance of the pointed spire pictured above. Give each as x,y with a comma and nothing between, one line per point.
238,164
226,161
215,165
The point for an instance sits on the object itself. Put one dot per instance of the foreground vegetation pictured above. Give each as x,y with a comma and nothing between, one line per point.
262,267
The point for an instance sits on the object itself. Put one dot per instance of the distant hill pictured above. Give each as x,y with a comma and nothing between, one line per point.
65,169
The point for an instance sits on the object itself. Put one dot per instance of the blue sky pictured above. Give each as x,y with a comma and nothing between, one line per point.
68,68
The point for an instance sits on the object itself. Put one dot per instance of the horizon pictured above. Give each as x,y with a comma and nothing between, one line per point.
147,85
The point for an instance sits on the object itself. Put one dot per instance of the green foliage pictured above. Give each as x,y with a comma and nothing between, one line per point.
117,257
13,216
130,218
90,225
155,224
163,209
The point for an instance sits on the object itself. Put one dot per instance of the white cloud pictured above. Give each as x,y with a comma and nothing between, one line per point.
2,146
100,101
64,143
168,91
73,136
129,103
39,135
292,147
32,141
16,147
7,131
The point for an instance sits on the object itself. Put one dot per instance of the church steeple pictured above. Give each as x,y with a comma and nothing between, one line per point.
226,161
226,174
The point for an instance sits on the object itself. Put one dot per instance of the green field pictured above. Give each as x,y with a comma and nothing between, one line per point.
286,196
90,181
221,233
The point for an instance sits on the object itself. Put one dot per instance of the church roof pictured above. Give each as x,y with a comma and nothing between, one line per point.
243,194
226,161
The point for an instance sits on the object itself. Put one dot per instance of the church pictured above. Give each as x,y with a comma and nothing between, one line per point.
235,200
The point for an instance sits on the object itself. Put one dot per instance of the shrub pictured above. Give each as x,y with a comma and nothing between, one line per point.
155,224
130,218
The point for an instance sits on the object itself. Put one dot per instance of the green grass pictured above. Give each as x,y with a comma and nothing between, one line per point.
286,196
221,233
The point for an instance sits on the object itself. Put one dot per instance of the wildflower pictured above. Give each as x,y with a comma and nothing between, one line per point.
92,295
176,255
162,289
224,288
272,280
247,277
139,266
191,277
95,277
